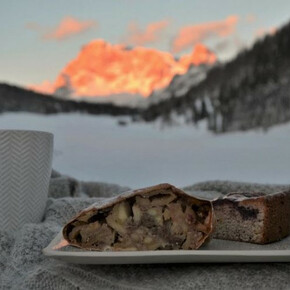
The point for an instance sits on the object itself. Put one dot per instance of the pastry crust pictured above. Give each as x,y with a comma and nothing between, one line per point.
160,217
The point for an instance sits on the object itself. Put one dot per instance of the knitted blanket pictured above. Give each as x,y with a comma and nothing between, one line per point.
23,266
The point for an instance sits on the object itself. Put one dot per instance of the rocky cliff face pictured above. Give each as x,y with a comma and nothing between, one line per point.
102,69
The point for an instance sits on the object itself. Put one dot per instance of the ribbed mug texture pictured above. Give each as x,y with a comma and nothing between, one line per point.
25,169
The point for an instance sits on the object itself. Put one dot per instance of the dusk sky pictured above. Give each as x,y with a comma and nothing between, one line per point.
38,38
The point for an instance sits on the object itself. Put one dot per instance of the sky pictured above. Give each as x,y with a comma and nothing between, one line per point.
38,38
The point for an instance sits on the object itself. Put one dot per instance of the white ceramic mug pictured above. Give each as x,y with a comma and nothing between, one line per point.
25,169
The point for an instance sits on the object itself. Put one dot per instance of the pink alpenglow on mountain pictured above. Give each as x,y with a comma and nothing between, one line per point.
103,69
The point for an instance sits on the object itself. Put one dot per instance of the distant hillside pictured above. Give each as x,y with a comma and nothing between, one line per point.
15,99
251,91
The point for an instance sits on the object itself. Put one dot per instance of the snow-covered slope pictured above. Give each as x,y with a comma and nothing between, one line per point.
96,148
180,84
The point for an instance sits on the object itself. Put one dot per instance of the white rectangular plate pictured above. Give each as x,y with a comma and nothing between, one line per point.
217,251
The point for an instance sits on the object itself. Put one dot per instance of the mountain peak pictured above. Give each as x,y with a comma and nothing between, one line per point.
103,69
199,55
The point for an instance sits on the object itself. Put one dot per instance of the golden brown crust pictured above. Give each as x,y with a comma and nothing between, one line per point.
148,191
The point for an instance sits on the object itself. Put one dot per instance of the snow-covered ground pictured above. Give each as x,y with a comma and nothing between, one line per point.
96,148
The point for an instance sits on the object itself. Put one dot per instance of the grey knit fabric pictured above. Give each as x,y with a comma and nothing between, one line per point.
23,266
225,187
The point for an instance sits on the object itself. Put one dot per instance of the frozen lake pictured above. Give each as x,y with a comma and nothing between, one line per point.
96,148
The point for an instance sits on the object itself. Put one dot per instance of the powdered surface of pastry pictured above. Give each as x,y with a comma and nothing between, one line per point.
161,217
253,217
